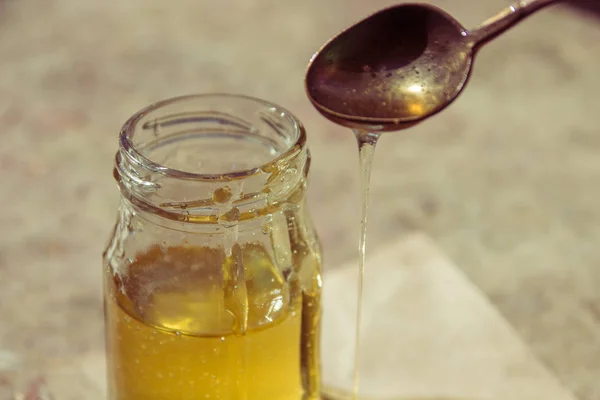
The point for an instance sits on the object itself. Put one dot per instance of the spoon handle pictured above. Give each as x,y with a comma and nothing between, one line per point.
505,19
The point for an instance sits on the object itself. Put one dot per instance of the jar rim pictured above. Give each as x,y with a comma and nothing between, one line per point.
128,129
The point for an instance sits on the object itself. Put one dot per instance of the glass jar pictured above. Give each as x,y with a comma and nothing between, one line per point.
212,274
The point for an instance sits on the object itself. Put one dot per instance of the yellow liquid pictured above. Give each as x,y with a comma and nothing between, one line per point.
174,330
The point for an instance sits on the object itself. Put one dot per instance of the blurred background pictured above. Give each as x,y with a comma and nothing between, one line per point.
504,181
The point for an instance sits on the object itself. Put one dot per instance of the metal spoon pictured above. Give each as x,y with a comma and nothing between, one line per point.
400,65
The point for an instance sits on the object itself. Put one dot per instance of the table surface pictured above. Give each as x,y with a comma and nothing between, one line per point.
428,333
504,181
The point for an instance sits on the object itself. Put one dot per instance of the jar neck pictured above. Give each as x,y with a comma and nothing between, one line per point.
180,159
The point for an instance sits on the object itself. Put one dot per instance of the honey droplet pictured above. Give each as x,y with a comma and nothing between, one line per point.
222,195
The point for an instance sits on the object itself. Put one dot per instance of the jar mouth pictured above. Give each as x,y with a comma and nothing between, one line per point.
294,130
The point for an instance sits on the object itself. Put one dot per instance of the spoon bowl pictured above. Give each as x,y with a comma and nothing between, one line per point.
385,71
400,65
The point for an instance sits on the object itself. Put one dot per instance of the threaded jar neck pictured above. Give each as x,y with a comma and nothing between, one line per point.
189,158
